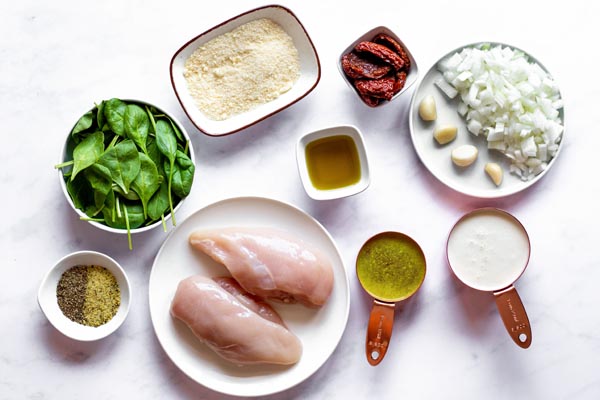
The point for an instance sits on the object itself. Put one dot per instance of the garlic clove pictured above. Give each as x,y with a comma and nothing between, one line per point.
495,172
445,134
427,109
464,155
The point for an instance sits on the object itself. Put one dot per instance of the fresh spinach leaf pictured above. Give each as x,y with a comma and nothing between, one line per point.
111,202
137,125
159,203
176,130
114,111
135,213
131,195
183,174
79,191
166,141
146,182
124,163
128,227
91,211
100,118
87,152
151,118
83,124
82,195
100,180
155,155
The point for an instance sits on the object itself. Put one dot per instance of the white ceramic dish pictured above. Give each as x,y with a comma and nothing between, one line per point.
472,181
310,71
411,77
49,303
319,329
67,154
350,190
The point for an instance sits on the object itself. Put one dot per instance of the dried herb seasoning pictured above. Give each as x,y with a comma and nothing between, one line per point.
88,295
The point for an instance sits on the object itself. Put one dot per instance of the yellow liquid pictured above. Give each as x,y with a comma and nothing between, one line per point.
333,162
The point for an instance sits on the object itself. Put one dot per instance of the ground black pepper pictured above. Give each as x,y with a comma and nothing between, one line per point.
70,293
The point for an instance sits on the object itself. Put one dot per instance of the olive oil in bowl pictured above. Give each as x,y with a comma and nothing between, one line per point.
333,162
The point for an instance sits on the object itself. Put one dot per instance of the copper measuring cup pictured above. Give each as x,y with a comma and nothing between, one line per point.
409,267
485,235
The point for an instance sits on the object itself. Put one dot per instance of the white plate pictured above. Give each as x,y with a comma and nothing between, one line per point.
310,71
320,330
472,181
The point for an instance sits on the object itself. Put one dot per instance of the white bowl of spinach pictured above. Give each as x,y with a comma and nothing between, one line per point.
127,166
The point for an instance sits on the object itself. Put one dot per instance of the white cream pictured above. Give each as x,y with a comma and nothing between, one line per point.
488,250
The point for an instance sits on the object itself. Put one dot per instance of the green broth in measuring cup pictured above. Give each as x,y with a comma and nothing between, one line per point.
391,266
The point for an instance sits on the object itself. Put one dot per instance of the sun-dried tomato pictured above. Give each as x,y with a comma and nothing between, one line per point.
370,100
377,69
357,67
382,88
392,44
381,52
400,81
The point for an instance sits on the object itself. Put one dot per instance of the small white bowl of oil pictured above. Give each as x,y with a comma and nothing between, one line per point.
333,163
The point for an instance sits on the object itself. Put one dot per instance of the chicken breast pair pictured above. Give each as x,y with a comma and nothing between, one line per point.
229,315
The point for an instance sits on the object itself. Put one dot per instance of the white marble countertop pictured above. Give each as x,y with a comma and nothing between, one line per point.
57,58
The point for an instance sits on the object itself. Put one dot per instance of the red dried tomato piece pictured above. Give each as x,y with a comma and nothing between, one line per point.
381,52
382,88
370,100
357,67
400,81
392,44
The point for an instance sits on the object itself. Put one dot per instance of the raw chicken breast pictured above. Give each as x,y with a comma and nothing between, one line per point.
232,323
270,263
254,303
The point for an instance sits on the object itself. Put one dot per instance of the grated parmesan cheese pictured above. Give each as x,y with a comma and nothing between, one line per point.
242,69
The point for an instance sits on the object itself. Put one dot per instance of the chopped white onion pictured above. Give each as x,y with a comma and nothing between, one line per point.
446,88
462,109
509,100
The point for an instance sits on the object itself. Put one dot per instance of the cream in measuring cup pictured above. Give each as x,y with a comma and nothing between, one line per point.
488,249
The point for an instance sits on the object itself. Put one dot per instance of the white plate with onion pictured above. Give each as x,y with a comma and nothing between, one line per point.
505,129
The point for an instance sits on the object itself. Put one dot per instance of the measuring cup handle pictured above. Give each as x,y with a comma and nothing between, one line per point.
514,316
379,331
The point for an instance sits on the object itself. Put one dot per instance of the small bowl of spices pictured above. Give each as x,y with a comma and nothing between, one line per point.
333,162
85,295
